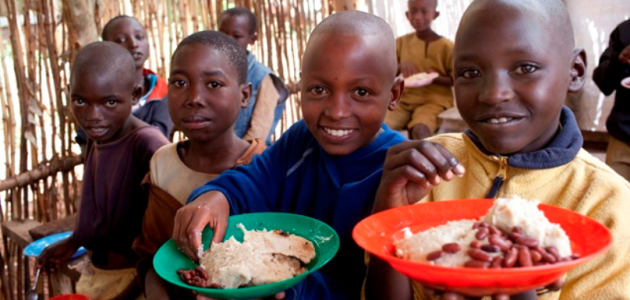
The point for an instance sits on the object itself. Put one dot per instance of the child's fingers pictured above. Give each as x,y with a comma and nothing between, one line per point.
454,164
219,227
180,236
415,166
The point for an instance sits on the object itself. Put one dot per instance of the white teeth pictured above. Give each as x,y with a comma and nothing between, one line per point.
338,133
499,120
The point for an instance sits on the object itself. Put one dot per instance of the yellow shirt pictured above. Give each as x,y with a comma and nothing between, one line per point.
585,185
437,56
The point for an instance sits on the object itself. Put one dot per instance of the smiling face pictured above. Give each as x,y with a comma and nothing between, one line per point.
347,87
128,33
101,103
512,74
238,27
204,95
421,13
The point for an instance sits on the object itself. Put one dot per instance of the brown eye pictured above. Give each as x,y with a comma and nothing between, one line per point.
214,85
470,73
526,69
317,90
361,92
178,83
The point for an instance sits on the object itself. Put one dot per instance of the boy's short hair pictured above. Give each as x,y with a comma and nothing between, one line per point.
358,23
111,21
105,58
222,43
553,12
242,11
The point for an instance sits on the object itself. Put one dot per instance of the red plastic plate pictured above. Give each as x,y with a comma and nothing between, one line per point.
377,233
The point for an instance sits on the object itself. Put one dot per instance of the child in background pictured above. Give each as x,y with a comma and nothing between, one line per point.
614,66
326,166
207,89
102,90
515,63
266,105
423,51
129,33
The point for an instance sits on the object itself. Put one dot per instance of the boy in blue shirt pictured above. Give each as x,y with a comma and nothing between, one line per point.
326,166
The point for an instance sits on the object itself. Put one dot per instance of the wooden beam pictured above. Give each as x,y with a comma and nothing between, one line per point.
43,171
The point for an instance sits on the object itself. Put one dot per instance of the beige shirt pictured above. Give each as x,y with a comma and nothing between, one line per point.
436,56
171,174
262,116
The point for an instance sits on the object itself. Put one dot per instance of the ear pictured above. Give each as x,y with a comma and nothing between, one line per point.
407,15
578,70
437,14
246,93
397,90
136,94
253,38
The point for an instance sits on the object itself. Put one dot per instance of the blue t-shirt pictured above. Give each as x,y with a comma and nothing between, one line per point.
296,175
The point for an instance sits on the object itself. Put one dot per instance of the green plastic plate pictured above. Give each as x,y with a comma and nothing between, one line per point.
169,259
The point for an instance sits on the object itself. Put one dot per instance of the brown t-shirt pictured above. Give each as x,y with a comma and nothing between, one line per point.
112,199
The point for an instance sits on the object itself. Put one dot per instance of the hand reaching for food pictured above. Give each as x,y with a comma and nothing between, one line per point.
210,209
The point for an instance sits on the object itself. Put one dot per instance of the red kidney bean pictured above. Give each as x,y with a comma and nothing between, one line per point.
553,251
475,264
475,244
476,225
495,230
575,256
514,236
536,256
496,262
434,255
490,248
510,258
524,257
548,258
499,242
482,233
565,259
479,255
451,248
527,241
517,229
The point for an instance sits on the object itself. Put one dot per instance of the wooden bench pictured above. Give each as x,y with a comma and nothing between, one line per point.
24,232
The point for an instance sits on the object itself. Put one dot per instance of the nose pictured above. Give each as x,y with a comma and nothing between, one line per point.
92,113
132,42
195,93
496,88
337,107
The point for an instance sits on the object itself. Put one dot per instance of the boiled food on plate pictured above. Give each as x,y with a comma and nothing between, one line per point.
263,257
514,233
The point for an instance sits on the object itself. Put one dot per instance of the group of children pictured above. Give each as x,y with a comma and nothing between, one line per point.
514,63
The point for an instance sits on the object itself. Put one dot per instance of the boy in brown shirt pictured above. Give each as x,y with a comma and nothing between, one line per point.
103,90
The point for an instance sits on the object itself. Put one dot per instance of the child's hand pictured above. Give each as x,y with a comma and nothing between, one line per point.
210,209
410,170
407,69
53,256
624,56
